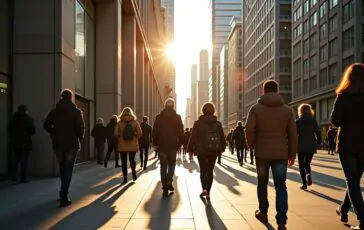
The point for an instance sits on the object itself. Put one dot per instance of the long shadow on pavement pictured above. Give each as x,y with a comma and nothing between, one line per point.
192,165
223,178
213,218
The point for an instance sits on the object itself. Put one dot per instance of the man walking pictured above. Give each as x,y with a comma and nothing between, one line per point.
66,126
144,142
271,132
238,137
168,137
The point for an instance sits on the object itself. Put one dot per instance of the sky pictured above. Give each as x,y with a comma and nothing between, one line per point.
192,33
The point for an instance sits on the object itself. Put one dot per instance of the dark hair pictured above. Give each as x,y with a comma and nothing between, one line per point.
270,86
208,108
145,118
187,129
352,80
240,123
67,94
22,108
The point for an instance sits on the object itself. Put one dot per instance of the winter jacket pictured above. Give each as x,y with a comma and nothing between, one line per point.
168,134
348,115
21,131
110,132
331,136
99,133
238,137
271,130
196,143
66,126
309,136
126,145
146,137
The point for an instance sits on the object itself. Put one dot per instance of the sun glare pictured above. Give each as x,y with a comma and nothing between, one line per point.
171,52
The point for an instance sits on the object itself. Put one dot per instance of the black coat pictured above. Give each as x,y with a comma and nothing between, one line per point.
238,137
309,136
168,133
146,137
110,132
21,131
66,126
331,136
99,133
186,138
348,115
196,143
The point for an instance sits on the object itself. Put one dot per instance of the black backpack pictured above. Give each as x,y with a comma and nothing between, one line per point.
128,132
212,138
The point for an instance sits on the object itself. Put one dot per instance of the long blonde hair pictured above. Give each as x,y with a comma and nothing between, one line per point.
352,80
305,109
127,111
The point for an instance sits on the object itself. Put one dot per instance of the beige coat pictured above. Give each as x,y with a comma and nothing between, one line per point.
271,129
123,145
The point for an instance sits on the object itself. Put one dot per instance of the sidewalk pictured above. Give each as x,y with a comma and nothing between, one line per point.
101,202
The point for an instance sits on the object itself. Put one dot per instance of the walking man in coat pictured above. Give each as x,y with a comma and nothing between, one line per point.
66,126
21,131
144,142
168,137
238,137
271,132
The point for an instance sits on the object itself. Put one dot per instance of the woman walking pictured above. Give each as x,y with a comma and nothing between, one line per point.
348,115
309,138
128,132
207,141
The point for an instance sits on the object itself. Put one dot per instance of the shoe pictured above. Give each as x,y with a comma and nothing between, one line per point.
105,163
303,187
356,227
281,227
343,217
261,216
252,163
117,166
145,168
165,192
208,197
125,181
219,162
63,202
241,163
170,187
204,193
309,180
134,176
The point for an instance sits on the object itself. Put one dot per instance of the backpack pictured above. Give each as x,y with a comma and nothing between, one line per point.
212,139
128,132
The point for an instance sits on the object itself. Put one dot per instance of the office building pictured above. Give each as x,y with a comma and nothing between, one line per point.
194,109
223,87
267,48
188,123
203,80
203,67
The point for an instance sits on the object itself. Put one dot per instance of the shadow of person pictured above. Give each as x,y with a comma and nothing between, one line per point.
223,178
191,166
96,214
213,218
160,208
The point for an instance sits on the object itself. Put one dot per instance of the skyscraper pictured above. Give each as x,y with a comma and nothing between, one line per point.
194,110
223,87
203,80
221,14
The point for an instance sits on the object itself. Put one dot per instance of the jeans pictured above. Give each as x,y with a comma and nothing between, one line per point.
21,156
304,163
110,148
168,163
353,166
279,171
144,151
240,154
66,160
124,164
207,164
100,153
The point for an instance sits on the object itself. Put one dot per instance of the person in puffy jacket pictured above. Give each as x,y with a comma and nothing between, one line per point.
99,134
309,139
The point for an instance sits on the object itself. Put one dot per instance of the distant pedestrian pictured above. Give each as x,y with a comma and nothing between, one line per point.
128,132
66,126
21,131
348,115
185,141
271,132
168,138
331,137
238,137
99,134
230,141
309,139
144,142
208,142
112,141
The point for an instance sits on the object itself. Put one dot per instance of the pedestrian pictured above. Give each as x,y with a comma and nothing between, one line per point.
128,132
230,141
271,132
331,137
144,142
309,139
208,142
21,131
99,134
112,141
66,127
348,116
185,141
168,138
190,153
238,137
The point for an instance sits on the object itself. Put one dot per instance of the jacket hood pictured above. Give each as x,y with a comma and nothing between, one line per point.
65,105
357,98
208,118
271,100
127,118
168,112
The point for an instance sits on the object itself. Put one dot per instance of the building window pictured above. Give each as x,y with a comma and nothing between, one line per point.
297,50
323,31
297,88
348,39
313,2
297,69
306,46
313,41
306,27
306,66
348,61
305,86
80,50
313,19
313,61
313,83
348,11
323,110
333,23
332,3
306,7
323,53
333,74
333,48
323,9
323,78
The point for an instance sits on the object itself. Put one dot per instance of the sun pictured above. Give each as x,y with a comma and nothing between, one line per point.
171,52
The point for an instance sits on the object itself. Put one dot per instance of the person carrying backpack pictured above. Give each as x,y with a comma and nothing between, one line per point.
128,132
207,141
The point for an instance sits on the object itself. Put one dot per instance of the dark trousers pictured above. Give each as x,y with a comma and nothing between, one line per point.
231,146
240,154
304,163
20,156
168,164
279,171
207,164
110,148
100,153
144,151
124,163
353,166
66,160
250,153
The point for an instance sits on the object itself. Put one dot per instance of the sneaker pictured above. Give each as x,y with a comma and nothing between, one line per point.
204,193
281,227
64,202
343,217
165,192
303,187
309,180
261,216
